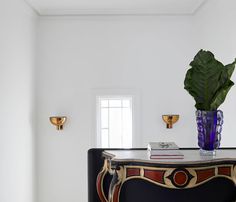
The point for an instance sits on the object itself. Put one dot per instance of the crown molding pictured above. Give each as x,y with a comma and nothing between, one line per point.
86,12
200,7
33,6
82,12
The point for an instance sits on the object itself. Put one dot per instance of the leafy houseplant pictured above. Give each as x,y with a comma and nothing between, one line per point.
208,81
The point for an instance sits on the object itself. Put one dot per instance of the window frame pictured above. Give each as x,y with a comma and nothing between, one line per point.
98,115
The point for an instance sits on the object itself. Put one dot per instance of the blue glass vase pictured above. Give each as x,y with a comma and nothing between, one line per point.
209,126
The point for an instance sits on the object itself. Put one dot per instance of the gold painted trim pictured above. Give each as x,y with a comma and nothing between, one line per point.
121,173
103,172
142,172
233,172
168,184
218,175
153,162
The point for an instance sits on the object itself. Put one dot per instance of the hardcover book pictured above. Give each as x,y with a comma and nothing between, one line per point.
162,146
164,150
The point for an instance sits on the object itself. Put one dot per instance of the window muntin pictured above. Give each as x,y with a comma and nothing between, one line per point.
115,122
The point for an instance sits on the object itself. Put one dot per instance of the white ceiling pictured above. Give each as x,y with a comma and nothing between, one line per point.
96,7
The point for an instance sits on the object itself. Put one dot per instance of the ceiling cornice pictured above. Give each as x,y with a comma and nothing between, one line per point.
86,12
200,7
35,8
79,12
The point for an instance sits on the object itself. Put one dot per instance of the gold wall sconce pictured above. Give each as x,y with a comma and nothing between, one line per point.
170,119
58,121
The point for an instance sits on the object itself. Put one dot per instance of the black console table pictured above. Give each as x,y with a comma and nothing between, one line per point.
193,178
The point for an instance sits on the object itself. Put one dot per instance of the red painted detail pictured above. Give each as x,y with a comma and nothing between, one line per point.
132,172
155,175
205,174
99,185
180,178
224,171
116,193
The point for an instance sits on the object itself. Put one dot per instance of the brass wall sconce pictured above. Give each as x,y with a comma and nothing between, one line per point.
58,121
170,119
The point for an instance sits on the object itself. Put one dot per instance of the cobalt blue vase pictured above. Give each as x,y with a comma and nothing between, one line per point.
209,126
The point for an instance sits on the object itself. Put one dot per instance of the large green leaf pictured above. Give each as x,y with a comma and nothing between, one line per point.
221,95
208,80
230,68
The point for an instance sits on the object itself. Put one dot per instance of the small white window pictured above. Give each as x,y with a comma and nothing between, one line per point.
114,120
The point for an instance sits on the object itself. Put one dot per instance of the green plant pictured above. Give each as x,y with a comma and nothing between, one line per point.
208,81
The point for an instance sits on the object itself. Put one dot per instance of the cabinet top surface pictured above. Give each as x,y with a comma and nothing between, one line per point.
190,156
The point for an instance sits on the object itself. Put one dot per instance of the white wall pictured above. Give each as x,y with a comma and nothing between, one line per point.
216,31
81,56
16,104
149,55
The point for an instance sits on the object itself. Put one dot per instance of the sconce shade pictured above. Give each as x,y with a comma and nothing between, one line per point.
170,120
58,121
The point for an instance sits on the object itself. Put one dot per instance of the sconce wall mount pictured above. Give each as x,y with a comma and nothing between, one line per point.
170,119
58,121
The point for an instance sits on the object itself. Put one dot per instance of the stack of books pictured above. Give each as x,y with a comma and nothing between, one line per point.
164,150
